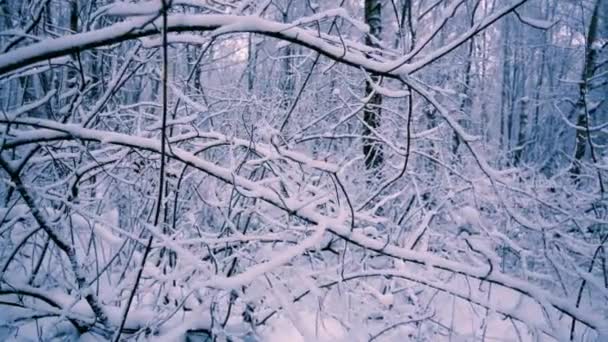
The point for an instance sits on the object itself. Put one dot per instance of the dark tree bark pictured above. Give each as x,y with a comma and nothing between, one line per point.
582,121
372,112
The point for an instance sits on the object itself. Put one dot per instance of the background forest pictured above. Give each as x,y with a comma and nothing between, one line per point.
303,170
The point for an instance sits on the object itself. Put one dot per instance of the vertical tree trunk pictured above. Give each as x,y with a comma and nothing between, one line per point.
406,22
534,70
582,120
466,101
519,101
485,118
72,74
252,55
372,112
287,75
505,91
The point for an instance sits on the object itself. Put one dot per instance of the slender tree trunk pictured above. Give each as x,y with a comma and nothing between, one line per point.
485,118
466,101
287,75
582,120
252,55
372,112
505,92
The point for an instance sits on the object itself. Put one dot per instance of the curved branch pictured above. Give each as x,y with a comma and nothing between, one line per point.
227,24
335,225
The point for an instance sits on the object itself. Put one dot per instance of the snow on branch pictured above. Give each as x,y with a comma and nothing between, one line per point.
337,225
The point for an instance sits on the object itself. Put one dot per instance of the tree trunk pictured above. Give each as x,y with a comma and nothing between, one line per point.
287,75
372,112
582,120
505,91
466,101
252,55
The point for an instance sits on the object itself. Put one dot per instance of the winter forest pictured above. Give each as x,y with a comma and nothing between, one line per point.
304,170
